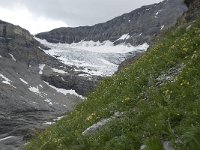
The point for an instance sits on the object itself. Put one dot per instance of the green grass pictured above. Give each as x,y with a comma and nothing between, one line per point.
155,110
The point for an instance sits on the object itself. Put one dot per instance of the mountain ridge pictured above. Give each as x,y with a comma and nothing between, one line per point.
156,18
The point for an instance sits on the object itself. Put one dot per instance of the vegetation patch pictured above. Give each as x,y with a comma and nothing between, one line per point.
158,95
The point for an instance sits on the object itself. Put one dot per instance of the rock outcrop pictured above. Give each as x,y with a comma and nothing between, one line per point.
83,85
194,7
8,30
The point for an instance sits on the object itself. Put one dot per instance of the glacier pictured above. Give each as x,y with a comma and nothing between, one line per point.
93,58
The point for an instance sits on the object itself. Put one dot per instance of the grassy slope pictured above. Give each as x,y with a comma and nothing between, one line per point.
156,109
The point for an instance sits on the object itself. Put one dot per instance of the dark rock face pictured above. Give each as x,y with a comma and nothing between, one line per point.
19,42
141,24
194,7
83,85
11,31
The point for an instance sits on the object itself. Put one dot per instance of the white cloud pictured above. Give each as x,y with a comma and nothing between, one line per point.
21,16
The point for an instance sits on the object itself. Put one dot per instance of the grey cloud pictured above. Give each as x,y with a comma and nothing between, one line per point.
79,12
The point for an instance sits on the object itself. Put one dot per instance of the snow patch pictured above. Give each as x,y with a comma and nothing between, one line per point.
6,80
124,37
59,71
64,91
162,27
34,90
41,67
6,138
13,58
23,81
157,13
62,79
54,121
84,75
34,103
58,118
37,91
48,101
48,123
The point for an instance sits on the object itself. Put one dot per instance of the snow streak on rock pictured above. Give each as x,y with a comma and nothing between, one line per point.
23,81
124,37
13,58
6,80
34,90
59,71
64,91
48,101
6,138
162,27
41,67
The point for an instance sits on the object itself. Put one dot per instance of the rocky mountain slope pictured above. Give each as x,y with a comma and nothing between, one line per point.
28,97
136,27
151,105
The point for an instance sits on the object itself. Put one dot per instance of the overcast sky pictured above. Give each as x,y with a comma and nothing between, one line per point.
44,15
